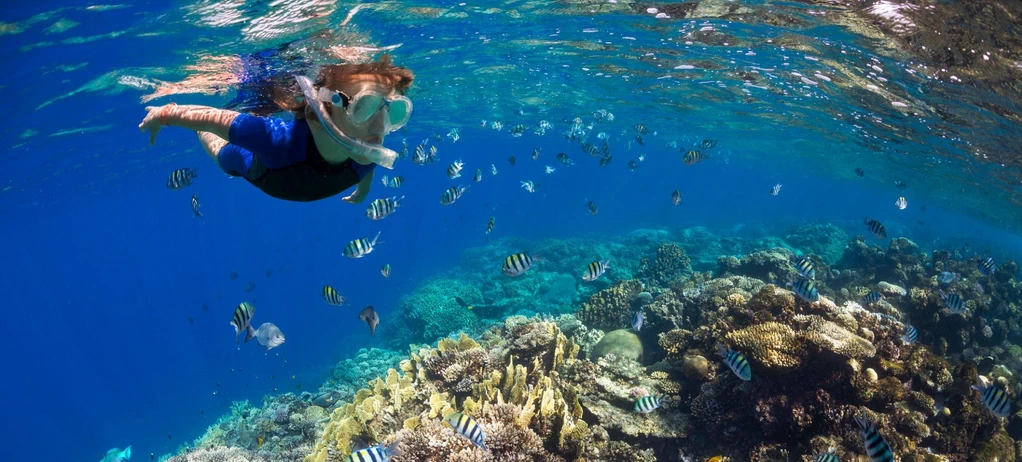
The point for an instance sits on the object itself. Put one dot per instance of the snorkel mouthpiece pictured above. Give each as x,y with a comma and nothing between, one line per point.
375,153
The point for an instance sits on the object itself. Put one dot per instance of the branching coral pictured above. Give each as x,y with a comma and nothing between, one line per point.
773,346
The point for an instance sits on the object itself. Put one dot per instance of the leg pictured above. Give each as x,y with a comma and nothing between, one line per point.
212,144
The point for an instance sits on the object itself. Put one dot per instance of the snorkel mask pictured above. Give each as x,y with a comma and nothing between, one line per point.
360,109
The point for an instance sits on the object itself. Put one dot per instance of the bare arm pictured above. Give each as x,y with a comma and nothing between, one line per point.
362,190
192,117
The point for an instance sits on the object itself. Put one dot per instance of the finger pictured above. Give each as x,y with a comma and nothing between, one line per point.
152,137
149,108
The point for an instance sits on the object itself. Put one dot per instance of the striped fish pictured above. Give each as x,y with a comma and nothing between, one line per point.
489,226
360,247
518,263
707,144
595,269
987,266
870,298
452,194
478,176
380,208
591,207
385,270
736,361
806,268
877,447
420,157
875,227
641,129
676,197
637,320
242,321
432,155
994,398
954,302
374,454
181,178
195,206
806,289
332,297
454,170
468,427
828,456
910,335
535,153
591,149
692,157
647,404
395,182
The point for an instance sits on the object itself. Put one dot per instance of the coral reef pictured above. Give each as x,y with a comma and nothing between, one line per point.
611,308
670,263
347,375
432,312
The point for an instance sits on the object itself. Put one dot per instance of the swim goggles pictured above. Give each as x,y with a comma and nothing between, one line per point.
362,107
376,153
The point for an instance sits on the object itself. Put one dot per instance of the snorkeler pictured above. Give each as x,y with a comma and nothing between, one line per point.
333,143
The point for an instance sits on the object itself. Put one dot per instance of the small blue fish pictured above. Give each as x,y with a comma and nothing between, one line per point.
986,266
954,302
647,404
806,289
994,398
806,268
877,447
468,427
910,335
736,361
870,298
946,278
375,454
637,320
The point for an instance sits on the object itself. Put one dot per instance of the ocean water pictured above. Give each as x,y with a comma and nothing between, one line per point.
116,300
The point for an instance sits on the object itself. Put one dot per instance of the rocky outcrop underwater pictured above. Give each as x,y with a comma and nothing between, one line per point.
564,384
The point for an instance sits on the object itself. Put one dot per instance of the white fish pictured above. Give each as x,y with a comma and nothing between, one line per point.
901,203
117,455
493,169
529,186
775,190
268,335
550,170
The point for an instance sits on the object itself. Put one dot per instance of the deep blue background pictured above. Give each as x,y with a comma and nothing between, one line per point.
97,285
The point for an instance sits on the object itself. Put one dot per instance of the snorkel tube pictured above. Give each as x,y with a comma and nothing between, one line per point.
376,153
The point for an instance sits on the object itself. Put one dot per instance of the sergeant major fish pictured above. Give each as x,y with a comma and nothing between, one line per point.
775,190
676,197
591,207
692,157
333,297
875,227
195,206
806,289
242,321
385,270
910,335
468,427
382,207
901,203
994,398
805,267
359,248
454,170
375,453
637,320
870,298
736,361
452,194
478,176
647,404
518,263
954,302
986,266
876,445
181,178
595,269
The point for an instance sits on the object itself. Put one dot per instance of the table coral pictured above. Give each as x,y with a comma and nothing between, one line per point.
831,337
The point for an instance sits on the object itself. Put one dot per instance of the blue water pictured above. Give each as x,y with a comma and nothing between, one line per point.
103,266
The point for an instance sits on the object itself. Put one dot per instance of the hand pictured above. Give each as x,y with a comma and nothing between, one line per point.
152,122
355,197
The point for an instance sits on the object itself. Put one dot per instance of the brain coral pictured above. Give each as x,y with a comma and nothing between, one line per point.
771,345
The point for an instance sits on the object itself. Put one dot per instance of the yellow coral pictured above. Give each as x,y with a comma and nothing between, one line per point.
674,341
832,337
412,423
736,300
440,404
773,345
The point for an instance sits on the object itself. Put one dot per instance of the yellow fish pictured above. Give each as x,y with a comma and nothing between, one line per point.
259,442
718,459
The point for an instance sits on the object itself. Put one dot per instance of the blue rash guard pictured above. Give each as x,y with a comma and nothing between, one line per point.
280,158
